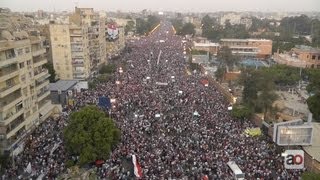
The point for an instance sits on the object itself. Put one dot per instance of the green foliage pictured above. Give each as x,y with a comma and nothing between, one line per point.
241,112
212,30
310,176
284,75
145,26
108,69
259,90
91,135
129,27
187,28
51,71
221,70
227,58
198,52
314,81
314,105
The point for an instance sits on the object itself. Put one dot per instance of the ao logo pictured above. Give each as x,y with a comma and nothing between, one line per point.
293,159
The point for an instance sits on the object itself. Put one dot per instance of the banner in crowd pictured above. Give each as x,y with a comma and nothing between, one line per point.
104,102
137,167
253,132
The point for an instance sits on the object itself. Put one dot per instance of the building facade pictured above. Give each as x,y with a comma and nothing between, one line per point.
300,56
249,48
24,86
79,47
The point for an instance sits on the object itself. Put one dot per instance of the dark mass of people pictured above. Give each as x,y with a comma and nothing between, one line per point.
177,127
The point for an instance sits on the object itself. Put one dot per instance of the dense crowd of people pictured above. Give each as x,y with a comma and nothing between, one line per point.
177,126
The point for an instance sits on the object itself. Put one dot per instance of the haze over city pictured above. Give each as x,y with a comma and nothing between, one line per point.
166,5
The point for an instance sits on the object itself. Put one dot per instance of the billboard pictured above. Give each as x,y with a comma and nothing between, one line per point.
294,135
112,31
293,159
290,123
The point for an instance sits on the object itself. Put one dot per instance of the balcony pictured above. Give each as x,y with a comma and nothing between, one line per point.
78,63
39,61
12,59
16,126
43,95
9,89
42,84
38,52
38,74
8,73
9,102
9,117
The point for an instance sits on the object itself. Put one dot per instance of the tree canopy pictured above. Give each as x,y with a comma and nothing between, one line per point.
90,135
226,57
259,90
144,26
314,89
51,71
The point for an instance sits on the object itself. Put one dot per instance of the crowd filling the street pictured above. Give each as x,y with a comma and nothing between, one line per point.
177,126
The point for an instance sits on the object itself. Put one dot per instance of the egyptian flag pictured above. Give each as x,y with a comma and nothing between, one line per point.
205,177
137,167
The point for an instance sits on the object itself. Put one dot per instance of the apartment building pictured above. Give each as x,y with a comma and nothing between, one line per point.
78,47
249,48
300,56
24,86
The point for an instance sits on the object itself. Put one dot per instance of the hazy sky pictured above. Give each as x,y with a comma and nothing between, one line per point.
163,5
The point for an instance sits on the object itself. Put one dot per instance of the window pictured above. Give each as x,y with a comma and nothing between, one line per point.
319,57
21,65
55,39
19,52
28,62
10,82
23,78
313,57
27,50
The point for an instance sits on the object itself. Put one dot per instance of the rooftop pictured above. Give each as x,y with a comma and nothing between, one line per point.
307,49
62,85
245,40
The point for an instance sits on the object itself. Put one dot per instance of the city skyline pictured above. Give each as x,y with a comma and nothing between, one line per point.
166,5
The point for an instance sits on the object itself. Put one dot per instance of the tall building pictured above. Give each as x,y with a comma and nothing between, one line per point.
250,48
79,47
24,86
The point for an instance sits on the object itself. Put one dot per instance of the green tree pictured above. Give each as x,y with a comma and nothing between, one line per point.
51,71
241,112
221,70
314,89
226,57
187,28
129,27
259,90
91,135
108,69
310,176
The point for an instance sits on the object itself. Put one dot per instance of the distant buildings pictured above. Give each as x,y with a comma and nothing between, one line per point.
24,86
246,48
79,47
249,48
300,56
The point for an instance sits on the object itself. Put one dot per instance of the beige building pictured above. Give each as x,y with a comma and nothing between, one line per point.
251,48
213,48
79,47
24,86
300,56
